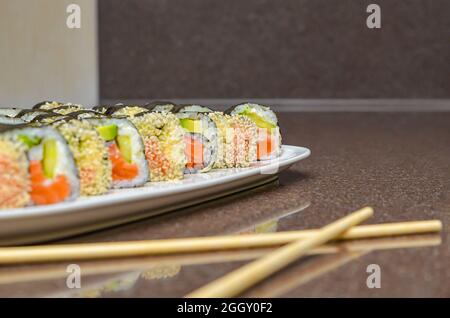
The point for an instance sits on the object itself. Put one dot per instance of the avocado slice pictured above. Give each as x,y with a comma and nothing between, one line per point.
30,141
108,133
124,143
191,125
50,157
258,120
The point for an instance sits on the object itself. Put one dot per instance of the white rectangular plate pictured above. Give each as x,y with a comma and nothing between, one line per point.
42,223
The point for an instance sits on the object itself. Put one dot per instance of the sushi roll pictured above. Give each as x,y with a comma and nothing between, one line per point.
237,141
269,136
125,149
52,170
10,112
200,137
15,183
89,152
163,141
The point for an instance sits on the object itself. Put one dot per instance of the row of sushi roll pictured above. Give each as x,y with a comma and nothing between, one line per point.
56,152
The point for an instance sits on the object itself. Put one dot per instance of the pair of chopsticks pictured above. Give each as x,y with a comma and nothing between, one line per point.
298,243
248,275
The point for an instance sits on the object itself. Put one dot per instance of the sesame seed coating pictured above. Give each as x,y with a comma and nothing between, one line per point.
90,154
14,177
237,137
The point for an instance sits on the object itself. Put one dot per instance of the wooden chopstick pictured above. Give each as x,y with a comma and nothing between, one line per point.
108,266
49,253
248,275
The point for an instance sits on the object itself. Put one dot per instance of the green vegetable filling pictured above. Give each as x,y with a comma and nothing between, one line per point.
108,133
50,157
258,120
191,125
30,141
124,143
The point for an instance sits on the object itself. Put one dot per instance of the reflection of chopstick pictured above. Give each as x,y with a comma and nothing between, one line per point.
300,275
248,275
71,252
37,273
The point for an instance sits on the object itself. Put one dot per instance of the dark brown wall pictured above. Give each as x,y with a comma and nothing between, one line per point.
273,48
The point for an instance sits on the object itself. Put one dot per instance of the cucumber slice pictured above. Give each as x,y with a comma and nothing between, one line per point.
191,125
50,157
124,143
258,120
108,133
30,141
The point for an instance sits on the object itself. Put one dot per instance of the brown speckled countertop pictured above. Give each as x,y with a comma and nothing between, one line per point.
399,163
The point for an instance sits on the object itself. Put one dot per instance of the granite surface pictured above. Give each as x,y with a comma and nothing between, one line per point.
399,163
268,49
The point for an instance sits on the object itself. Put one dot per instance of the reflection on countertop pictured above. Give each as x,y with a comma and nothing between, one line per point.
397,163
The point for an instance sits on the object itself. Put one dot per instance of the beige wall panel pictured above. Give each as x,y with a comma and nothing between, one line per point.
41,58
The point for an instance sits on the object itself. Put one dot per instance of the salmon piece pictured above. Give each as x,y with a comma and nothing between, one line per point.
47,191
121,169
194,152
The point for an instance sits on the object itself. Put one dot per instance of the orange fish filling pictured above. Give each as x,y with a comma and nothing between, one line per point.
194,152
265,143
121,169
44,190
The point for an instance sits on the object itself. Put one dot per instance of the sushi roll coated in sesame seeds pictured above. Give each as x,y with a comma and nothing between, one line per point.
269,136
52,170
163,141
125,149
15,181
90,154
200,137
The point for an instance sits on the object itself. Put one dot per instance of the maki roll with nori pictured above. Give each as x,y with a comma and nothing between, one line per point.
125,149
90,154
163,141
269,136
15,183
200,137
52,170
